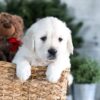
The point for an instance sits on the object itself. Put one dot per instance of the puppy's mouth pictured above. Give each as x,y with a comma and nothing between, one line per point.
51,57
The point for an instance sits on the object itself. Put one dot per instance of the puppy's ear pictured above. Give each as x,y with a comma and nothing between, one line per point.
70,47
28,39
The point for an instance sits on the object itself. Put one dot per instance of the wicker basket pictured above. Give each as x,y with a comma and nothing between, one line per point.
36,88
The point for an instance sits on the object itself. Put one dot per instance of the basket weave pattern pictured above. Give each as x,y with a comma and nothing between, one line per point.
36,88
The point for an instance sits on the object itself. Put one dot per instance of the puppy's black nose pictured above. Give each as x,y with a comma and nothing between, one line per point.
52,51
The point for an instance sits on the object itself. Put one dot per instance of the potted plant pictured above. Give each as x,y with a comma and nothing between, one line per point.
86,74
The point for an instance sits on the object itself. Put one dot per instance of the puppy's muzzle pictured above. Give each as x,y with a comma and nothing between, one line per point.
52,53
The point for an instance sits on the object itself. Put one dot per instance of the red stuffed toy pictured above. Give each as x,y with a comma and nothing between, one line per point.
11,31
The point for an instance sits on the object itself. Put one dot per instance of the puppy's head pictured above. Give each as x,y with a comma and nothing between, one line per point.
49,38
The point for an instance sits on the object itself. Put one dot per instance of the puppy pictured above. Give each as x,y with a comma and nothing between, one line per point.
46,43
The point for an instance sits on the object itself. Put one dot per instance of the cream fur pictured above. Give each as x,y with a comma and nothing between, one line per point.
33,52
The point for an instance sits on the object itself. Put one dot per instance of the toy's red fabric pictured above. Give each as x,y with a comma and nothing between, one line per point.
13,44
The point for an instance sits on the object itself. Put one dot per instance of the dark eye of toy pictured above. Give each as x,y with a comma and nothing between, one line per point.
43,38
60,39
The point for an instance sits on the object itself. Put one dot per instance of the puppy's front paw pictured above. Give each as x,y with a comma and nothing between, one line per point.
53,77
23,73
23,76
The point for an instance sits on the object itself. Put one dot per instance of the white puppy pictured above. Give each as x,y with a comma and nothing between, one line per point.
46,43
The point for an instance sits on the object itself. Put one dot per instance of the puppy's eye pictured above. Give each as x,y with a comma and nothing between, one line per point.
43,38
60,39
